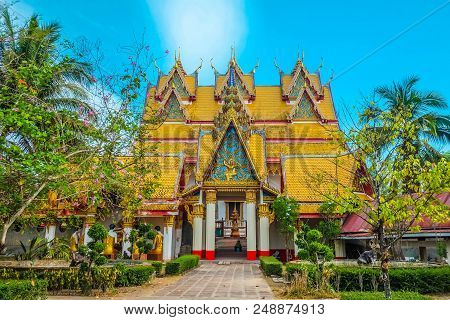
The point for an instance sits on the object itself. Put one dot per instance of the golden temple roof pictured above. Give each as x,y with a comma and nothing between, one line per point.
298,147
311,178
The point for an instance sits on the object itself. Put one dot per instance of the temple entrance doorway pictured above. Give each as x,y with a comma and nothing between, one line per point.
231,231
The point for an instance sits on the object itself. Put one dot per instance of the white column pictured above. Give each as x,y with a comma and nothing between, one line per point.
250,203
264,225
197,229
295,243
168,237
178,235
210,228
50,232
339,249
126,244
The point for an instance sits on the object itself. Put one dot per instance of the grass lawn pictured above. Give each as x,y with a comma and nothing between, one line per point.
396,295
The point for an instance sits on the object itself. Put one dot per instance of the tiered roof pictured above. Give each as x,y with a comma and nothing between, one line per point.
287,128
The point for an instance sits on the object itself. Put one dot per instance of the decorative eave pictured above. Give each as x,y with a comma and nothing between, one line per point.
163,104
176,69
220,87
300,70
306,90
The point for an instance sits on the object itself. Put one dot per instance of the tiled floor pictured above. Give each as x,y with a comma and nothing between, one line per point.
216,281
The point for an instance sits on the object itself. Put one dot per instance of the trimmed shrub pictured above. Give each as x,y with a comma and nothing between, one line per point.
302,268
134,276
271,266
396,295
348,278
158,265
182,264
23,289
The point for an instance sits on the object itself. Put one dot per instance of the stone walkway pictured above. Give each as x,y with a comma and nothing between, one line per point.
218,281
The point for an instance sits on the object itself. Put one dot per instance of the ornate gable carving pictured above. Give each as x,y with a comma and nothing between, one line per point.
231,162
171,108
233,108
304,108
235,77
300,79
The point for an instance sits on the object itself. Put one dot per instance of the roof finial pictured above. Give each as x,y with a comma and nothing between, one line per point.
331,78
255,67
320,65
156,66
212,66
179,54
276,66
199,67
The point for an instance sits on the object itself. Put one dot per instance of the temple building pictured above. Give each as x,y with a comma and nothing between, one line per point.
227,150
224,153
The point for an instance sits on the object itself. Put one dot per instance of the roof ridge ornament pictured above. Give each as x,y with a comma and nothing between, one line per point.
276,66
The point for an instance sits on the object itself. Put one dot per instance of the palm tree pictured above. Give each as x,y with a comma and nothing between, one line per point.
36,43
419,108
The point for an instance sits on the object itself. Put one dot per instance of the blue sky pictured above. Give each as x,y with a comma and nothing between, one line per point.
339,31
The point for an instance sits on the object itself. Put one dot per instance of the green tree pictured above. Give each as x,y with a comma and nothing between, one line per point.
286,214
401,185
143,237
419,109
313,249
67,127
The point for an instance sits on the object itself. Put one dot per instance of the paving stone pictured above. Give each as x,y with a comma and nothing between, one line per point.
219,281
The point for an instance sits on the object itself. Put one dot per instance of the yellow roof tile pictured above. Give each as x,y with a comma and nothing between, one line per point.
326,106
170,168
258,154
206,148
302,148
312,179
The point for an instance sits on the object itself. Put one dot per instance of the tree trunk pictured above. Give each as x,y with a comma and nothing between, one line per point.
385,278
286,247
18,213
384,257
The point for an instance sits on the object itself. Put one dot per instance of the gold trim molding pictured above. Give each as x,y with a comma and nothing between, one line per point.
211,196
169,221
250,196
264,212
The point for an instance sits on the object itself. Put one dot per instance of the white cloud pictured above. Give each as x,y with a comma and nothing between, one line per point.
202,29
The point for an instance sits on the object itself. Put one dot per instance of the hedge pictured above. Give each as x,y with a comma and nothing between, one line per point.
182,264
73,278
395,295
134,276
23,289
345,278
158,265
271,266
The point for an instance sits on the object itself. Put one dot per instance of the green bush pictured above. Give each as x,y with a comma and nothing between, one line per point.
182,264
354,278
158,265
271,266
302,268
75,278
396,295
133,276
23,289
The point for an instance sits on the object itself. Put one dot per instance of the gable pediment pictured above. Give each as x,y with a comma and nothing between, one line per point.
231,162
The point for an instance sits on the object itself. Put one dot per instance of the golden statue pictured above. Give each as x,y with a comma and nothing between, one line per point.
231,168
157,250
110,241
75,240
235,224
